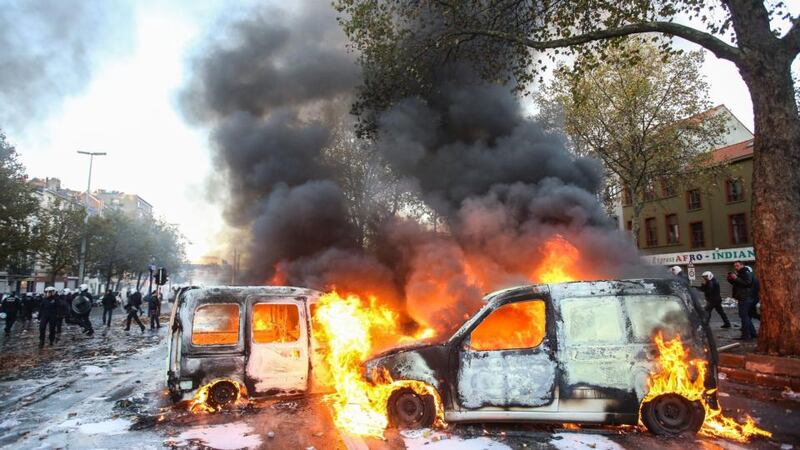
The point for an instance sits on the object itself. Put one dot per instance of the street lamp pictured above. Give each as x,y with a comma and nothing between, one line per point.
82,267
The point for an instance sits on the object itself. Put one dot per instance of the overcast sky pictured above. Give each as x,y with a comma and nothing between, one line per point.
127,106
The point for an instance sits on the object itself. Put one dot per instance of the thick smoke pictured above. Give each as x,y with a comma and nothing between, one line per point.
498,192
49,49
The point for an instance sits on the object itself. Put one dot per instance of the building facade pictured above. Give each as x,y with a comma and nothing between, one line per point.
707,224
130,204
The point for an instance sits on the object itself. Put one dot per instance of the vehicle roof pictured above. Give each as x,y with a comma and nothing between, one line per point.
663,286
244,291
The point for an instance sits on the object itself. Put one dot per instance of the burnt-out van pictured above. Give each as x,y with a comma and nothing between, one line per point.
577,352
255,338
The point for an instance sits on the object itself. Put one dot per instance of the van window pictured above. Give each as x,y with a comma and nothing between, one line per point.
216,325
590,320
275,323
515,325
652,313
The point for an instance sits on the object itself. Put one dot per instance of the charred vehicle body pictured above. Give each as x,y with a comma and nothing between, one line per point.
235,341
576,352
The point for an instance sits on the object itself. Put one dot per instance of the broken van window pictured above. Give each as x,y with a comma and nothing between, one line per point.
515,325
592,319
216,325
652,313
275,323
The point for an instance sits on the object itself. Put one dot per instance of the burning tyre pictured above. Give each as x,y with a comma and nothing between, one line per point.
409,410
672,415
222,393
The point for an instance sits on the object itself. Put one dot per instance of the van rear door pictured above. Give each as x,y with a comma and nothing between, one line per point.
278,341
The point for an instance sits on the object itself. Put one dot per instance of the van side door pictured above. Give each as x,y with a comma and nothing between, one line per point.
506,359
278,342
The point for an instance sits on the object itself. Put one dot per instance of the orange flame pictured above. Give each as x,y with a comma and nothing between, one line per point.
559,263
280,276
349,326
677,373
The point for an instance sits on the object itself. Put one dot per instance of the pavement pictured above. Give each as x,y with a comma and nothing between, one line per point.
108,392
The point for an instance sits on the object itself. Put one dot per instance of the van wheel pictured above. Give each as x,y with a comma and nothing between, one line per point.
222,393
673,415
409,410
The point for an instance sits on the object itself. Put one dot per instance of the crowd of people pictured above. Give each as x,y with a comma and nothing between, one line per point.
744,289
53,308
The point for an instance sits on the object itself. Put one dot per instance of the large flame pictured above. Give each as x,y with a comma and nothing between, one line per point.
349,326
676,372
200,402
559,262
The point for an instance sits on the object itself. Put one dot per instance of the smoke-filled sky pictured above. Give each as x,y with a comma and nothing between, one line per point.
113,76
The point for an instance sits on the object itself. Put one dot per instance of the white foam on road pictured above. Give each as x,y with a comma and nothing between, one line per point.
434,440
229,436
92,370
575,441
113,426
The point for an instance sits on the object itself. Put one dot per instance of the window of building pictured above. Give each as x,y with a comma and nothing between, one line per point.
515,325
627,196
651,231
216,325
697,235
275,323
737,228
693,199
667,188
649,191
673,230
734,190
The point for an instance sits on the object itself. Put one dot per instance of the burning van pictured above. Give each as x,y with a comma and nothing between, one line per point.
578,352
230,342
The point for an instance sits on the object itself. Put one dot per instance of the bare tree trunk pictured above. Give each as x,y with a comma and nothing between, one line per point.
138,280
776,198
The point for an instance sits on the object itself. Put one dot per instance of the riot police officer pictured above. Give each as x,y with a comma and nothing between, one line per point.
48,315
11,305
82,307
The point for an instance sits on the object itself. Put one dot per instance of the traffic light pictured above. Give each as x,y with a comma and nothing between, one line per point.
161,276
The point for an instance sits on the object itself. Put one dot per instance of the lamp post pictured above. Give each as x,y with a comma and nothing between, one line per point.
82,267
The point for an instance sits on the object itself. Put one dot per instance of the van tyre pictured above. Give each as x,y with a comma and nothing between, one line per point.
673,415
222,394
409,410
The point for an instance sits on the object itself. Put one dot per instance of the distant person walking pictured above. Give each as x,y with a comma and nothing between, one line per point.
11,306
28,305
109,302
133,307
82,308
710,288
742,282
154,309
48,315
62,310
678,273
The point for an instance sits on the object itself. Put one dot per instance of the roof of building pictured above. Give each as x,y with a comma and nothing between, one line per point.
739,150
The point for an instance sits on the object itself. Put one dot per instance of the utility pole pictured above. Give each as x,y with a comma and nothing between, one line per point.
82,267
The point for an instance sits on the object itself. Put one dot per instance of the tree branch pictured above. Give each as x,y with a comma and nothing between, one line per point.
708,41
792,38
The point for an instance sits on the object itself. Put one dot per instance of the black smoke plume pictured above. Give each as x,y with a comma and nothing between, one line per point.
496,190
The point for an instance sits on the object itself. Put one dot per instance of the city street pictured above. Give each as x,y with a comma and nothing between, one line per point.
108,391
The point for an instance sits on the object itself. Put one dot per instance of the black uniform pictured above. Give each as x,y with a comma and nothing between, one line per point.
82,308
48,317
133,307
714,300
62,311
743,293
28,305
154,310
109,303
11,305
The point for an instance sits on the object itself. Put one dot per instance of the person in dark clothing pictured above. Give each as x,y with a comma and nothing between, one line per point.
28,305
82,307
133,307
11,305
48,313
154,309
756,287
710,288
678,273
742,282
62,311
109,302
